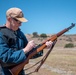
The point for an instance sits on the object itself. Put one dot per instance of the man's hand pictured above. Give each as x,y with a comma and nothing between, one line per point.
29,46
49,44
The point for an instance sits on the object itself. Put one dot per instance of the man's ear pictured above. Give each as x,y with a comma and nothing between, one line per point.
9,19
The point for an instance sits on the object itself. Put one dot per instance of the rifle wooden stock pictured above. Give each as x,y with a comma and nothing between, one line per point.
16,69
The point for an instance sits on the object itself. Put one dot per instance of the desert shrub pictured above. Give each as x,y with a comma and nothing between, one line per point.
35,34
43,35
69,45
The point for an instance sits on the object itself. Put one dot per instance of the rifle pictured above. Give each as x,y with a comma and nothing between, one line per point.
16,69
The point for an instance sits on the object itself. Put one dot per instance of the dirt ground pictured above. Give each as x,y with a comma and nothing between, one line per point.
44,70
60,62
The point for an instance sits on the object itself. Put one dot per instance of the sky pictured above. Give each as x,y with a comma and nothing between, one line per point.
44,16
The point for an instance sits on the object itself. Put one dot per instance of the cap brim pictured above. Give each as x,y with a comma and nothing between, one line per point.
22,19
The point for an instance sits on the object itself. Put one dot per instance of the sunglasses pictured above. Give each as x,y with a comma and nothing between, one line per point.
15,19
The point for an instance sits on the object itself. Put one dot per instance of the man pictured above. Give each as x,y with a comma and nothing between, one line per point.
14,47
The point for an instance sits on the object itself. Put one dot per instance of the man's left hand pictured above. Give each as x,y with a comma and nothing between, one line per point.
49,44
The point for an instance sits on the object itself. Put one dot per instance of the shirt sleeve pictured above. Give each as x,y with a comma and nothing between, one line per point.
7,55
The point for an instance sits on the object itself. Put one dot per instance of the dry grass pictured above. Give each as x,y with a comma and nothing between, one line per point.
65,60
59,62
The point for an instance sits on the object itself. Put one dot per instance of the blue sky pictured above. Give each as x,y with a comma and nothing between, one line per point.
44,16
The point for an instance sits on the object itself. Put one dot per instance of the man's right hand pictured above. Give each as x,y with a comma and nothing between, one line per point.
29,46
